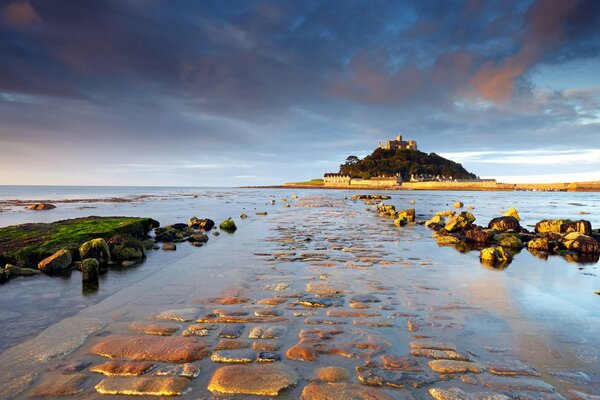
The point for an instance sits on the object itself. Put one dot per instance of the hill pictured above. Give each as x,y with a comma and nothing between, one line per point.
383,162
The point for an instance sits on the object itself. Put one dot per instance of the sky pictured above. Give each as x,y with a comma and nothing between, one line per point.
230,93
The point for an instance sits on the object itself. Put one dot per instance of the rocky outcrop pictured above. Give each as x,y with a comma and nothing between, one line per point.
563,226
581,243
57,262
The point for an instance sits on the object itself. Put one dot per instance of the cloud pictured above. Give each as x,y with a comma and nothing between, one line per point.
20,14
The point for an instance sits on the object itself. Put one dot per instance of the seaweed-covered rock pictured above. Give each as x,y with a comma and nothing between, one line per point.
460,222
581,243
13,270
95,248
201,223
90,270
509,240
57,262
504,224
173,233
540,244
228,226
125,247
495,254
563,226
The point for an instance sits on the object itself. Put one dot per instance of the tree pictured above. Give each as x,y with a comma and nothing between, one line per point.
351,160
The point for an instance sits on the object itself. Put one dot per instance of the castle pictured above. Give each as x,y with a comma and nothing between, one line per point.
398,143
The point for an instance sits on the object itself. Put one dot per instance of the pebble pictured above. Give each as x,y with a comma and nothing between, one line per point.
169,246
262,379
514,383
427,344
265,345
365,298
198,330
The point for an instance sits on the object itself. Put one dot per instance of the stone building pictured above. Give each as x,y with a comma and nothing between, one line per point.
398,143
331,178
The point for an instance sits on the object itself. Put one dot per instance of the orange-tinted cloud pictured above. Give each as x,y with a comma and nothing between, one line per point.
545,21
20,14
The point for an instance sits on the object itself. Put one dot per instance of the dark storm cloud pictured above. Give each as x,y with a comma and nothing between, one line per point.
312,79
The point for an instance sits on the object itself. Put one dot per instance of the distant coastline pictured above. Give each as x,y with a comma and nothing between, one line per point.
593,186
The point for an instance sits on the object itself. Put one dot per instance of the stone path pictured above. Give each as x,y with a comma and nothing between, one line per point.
339,312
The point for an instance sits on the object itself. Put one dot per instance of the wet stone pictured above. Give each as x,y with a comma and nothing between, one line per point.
351,314
231,300
233,356
268,312
268,356
271,301
187,370
232,331
154,328
343,391
321,287
572,377
198,330
261,379
332,374
577,395
143,386
234,312
180,315
370,374
320,302
271,332
514,383
231,344
364,298
60,385
439,354
457,394
376,322
69,367
427,344
151,348
453,366
512,367
402,363
265,345
123,368
359,306
319,320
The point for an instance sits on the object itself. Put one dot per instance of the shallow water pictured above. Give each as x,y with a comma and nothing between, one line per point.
541,312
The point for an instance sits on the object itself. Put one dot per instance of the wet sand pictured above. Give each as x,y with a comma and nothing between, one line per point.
383,288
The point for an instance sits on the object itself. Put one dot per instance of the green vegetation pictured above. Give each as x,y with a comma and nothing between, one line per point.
312,182
404,162
27,244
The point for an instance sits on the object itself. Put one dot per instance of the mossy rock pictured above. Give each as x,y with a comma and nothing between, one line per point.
26,245
540,244
460,222
495,253
509,240
408,214
125,247
95,248
228,226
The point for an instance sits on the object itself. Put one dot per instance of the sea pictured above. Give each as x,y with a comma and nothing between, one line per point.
540,310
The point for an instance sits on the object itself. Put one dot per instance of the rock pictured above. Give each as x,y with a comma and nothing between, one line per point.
577,395
504,224
479,235
263,379
447,240
563,226
457,394
261,212
265,345
90,270
70,367
408,215
232,331
402,363
446,213
427,344
125,248
512,367
460,222
40,206
169,234
435,221
365,298
169,246
151,348
268,356
370,374
512,212
458,204
13,270
198,238
244,216
540,244
198,330
579,377
233,356
332,374
271,332
439,354
187,370
180,314
57,262
228,226
231,344
508,240
514,383
60,385
581,243
495,254
454,366
95,248
143,386
204,224
123,368
154,328
343,391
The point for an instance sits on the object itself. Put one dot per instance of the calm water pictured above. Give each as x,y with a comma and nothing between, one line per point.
543,312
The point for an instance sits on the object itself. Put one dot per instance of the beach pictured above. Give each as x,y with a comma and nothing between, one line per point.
323,282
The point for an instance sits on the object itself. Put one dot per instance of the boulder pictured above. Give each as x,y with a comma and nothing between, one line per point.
495,254
504,224
204,224
57,262
13,270
479,235
198,238
563,226
447,240
581,243
228,226
90,270
400,221
437,221
408,215
538,244
512,212
125,247
386,210
458,204
168,234
95,248
244,216
509,240
40,206
460,222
